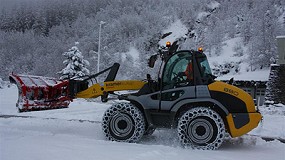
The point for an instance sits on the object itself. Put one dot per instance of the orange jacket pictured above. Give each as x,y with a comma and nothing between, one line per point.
189,71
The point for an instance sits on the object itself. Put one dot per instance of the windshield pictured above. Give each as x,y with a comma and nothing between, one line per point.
174,67
205,67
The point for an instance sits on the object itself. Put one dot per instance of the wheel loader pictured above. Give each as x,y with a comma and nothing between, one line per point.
203,110
185,96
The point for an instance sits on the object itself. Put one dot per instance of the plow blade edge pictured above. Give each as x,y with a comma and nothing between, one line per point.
38,92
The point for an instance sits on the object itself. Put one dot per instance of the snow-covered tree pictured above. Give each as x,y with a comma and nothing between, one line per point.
28,29
76,66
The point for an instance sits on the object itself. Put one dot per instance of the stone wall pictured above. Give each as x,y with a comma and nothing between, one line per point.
275,90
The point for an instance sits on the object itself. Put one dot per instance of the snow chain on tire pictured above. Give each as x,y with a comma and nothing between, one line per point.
201,128
123,122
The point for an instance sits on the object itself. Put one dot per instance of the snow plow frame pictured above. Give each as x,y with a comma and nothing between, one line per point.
39,93
42,93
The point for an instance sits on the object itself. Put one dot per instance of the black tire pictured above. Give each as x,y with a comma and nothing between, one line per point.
123,122
201,128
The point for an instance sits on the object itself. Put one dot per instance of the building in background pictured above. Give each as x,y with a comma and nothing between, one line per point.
275,91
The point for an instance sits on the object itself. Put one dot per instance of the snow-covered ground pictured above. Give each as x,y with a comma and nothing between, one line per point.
75,133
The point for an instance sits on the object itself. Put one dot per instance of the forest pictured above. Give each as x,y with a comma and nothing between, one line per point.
35,33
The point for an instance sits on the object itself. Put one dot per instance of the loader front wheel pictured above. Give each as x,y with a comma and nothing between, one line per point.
123,122
201,128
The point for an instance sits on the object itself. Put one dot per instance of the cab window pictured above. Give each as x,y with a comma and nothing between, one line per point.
204,67
174,71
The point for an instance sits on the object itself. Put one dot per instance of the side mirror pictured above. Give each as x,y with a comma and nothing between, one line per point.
173,48
213,77
231,81
151,61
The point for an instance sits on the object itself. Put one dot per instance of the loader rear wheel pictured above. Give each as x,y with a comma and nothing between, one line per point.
123,122
201,128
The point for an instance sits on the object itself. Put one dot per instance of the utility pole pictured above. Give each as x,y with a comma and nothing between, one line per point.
99,45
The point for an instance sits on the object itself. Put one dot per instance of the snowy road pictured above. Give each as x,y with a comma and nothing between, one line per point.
58,134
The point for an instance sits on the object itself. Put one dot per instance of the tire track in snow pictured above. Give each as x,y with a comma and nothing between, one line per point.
268,139
75,120
265,138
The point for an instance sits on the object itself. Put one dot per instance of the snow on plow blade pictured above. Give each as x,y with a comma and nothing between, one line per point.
38,93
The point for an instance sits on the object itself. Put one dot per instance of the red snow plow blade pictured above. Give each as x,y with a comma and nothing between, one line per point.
39,93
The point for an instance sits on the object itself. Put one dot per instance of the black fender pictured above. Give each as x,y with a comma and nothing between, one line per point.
181,103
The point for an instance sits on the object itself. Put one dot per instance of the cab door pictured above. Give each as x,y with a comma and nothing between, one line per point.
175,84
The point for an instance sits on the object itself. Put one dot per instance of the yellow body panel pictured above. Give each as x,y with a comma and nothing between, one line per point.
254,116
99,89
234,91
254,119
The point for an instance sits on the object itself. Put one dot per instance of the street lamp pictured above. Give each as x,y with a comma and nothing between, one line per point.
99,44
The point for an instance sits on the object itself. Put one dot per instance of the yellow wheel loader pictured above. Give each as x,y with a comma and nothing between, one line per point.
186,97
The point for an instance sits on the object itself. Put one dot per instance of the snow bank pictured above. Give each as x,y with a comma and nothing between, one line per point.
261,75
178,30
273,109
281,36
273,121
4,84
232,62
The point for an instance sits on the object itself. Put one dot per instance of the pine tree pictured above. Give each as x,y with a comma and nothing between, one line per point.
75,65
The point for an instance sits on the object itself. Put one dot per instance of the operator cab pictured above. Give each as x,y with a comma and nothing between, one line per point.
179,69
186,68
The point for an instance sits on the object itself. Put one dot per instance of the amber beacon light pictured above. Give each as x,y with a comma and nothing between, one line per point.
168,44
200,49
